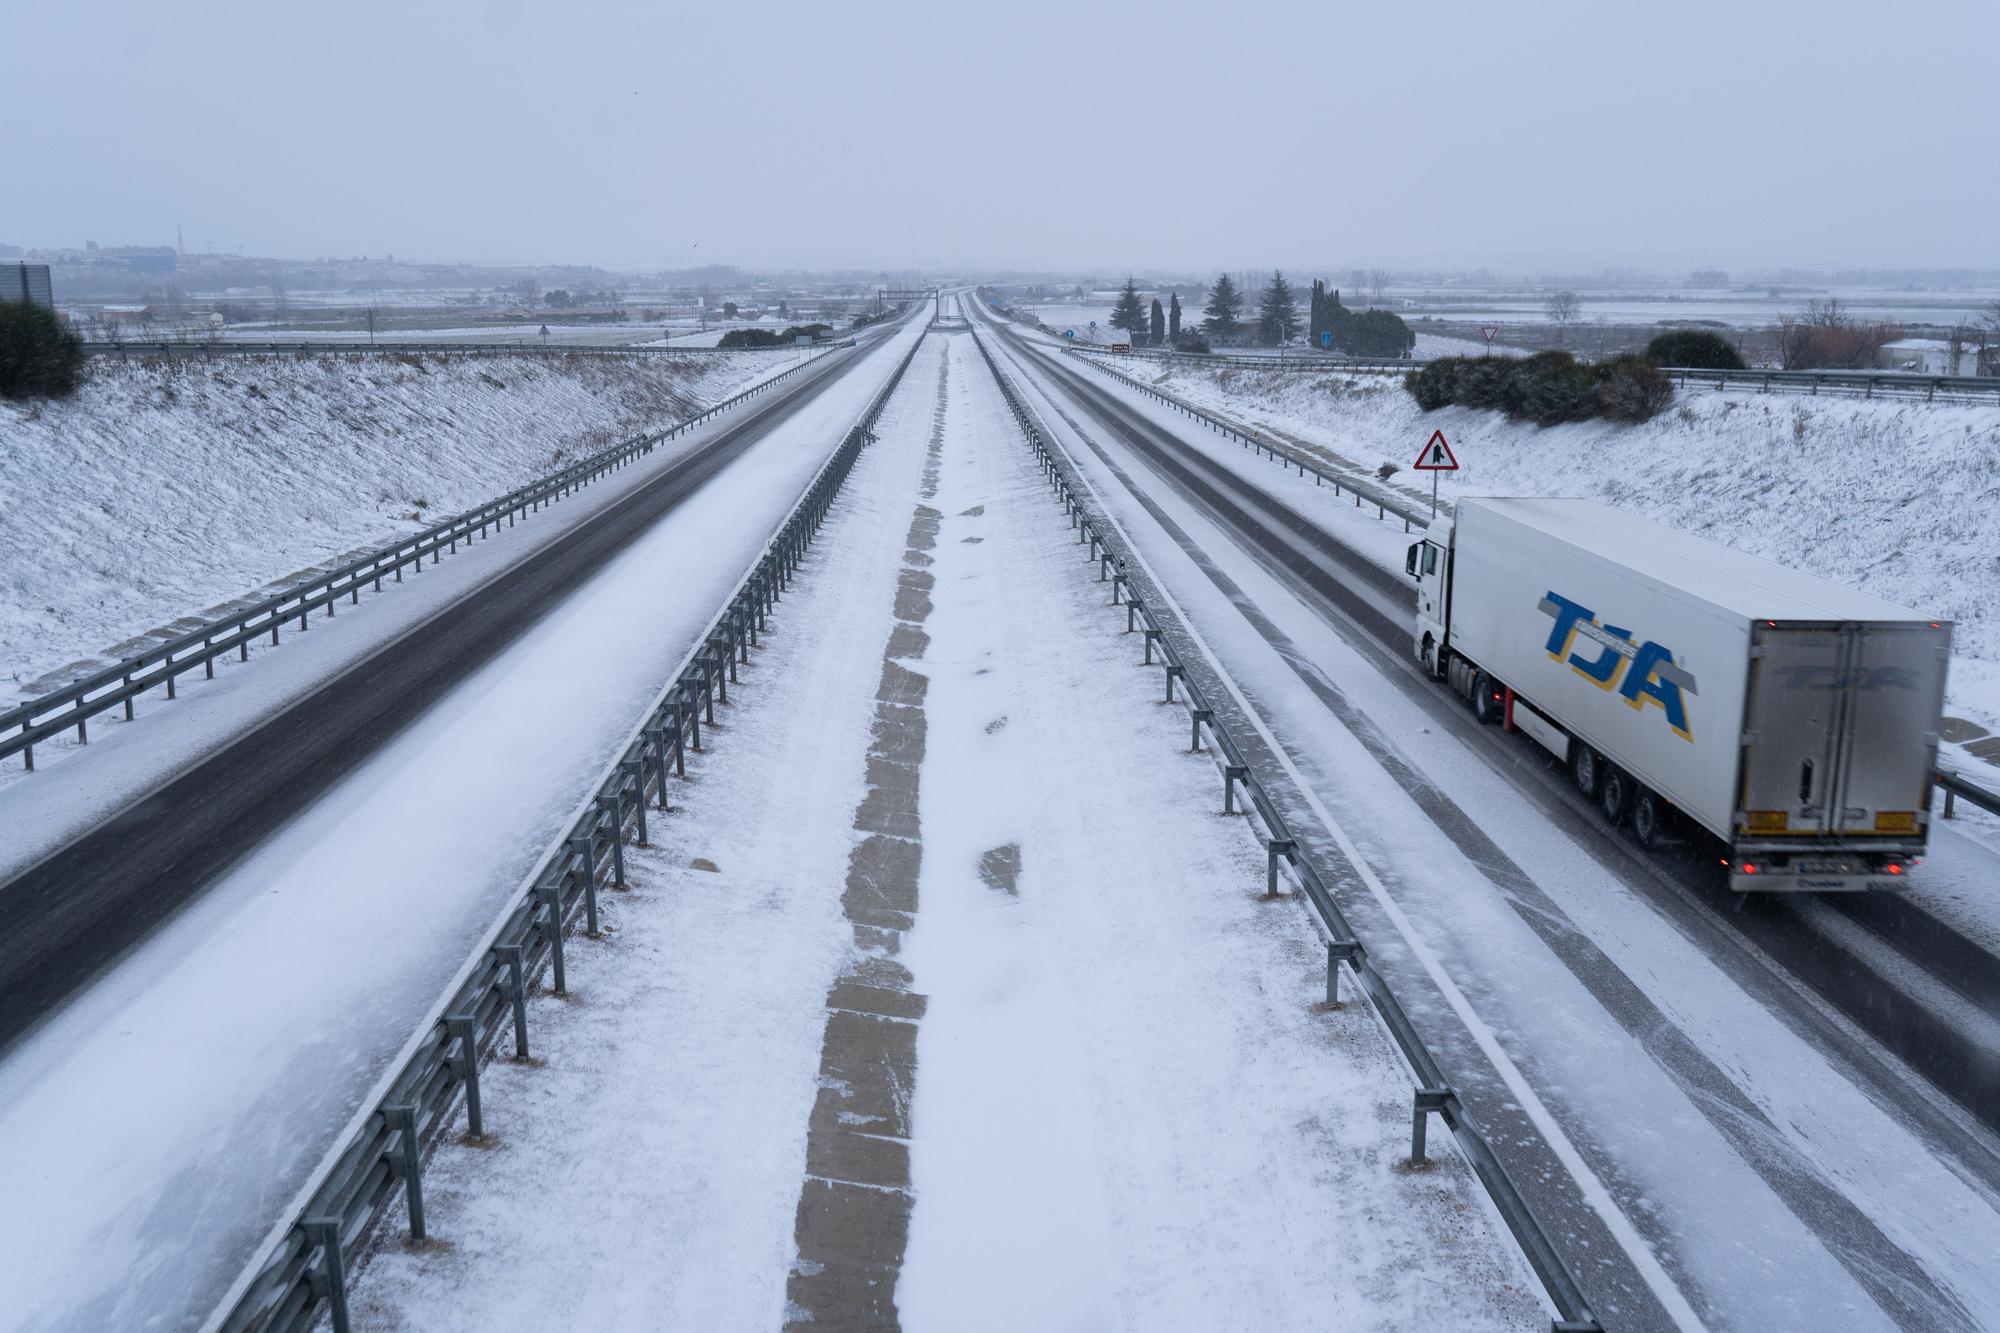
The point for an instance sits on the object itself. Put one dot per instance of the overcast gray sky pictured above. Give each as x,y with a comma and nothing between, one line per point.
1030,134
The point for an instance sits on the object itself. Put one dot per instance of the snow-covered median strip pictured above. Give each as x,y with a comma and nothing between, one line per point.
1129,1109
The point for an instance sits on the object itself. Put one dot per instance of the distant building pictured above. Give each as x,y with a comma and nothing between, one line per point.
1929,356
124,316
27,283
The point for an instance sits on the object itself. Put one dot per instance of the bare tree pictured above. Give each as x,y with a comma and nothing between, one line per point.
1564,308
1378,283
1826,337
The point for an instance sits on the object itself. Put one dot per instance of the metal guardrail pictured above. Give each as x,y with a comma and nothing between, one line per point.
1433,1094
302,1274
74,704
1957,787
1316,362
207,350
1866,383
1364,494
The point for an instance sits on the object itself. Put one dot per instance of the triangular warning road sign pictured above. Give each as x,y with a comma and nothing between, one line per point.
1437,455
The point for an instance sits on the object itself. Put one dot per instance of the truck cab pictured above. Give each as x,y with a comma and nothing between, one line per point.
1429,565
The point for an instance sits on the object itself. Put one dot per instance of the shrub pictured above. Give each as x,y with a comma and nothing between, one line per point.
40,356
1482,382
1548,388
750,338
1190,341
1436,385
1377,333
1694,349
1632,389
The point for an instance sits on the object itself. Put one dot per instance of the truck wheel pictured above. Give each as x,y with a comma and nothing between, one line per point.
1484,710
1429,656
1583,767
1646,818
1614,793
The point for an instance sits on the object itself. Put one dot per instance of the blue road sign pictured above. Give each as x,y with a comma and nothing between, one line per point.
1069,333
1326,338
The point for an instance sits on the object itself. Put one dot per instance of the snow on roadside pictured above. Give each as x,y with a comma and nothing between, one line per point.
344,926
668,1102
1130,1111
1899,498
167,487
1225,1153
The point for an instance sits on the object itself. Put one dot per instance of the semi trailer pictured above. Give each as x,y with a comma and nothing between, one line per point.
1693,690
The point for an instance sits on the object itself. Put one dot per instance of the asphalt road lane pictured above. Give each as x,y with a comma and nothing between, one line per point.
71,915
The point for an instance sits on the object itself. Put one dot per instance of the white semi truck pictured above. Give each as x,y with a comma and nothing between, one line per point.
1691,688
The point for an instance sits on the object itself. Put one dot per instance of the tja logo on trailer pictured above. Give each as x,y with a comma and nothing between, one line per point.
1638,671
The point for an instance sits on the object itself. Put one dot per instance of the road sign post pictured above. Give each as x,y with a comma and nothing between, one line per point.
1435,457
1487,331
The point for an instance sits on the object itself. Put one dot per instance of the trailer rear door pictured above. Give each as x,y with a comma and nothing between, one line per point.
1841,733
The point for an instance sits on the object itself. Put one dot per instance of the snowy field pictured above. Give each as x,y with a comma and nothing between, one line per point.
166,488
1128,1112
1901,499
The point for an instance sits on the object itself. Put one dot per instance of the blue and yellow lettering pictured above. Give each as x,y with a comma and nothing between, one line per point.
1568,615
1603,672
1654,676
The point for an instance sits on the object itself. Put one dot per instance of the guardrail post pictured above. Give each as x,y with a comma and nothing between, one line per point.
635,773
551,896
1427,1101
1150,635
406,1161
1231,775
1950,802
1338,952
324,1232
614,806
1174,671
1274,849
1197,717
1117,584
517,963
464,1066
584,846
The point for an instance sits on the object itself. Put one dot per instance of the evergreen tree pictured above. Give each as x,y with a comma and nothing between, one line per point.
1159,328
1315,313
1174,317
1130,312
1225,304
1277,311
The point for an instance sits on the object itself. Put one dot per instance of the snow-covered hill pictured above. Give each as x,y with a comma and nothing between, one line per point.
1900,498
163,489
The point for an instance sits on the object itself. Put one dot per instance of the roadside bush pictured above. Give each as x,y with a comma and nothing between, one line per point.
1190,341
1482,382
40,356
750,338
1694,349
1548,388
1633,389
1436,385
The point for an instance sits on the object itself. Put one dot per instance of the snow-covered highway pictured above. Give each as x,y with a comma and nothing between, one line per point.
337,871
1666,1065
950,999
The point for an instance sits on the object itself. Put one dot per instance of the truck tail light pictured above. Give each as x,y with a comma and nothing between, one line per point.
1895,869
1749,869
